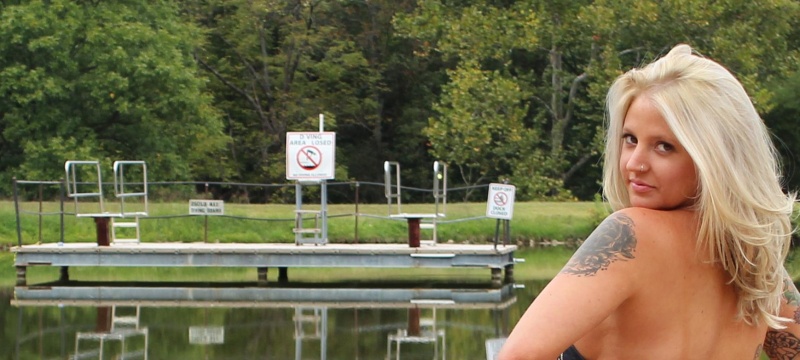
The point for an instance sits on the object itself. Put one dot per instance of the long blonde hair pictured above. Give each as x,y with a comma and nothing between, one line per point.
743,214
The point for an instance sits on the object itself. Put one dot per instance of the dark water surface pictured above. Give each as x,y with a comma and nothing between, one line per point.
83,320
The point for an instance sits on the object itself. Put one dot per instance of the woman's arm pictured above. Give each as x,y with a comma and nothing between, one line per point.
595,281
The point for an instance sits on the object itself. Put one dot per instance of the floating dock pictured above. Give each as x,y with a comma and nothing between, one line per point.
264,256
311,248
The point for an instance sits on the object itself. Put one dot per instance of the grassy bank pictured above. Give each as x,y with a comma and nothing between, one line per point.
533,221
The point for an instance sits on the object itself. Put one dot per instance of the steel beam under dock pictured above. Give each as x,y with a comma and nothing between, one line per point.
281,256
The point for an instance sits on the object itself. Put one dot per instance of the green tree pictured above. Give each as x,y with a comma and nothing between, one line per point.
106,81
564,54
279,64
782,120
504,41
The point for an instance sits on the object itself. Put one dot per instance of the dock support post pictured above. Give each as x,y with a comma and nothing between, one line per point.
413,232
101,224
509,278
283,275
497,278
262,275
413,321
21,272
64,273
104,319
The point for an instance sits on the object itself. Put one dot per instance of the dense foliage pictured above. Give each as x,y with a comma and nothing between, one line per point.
206,90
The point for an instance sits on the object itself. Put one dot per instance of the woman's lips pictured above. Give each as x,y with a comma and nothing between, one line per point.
640,186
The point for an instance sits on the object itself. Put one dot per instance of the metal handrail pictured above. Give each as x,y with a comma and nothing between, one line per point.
119,184
72,187
387,169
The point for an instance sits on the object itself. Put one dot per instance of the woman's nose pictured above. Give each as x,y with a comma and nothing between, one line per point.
637,161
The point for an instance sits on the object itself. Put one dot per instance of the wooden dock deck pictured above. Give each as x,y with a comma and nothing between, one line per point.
263,256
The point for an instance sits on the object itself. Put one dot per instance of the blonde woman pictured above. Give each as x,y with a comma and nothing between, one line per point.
690,264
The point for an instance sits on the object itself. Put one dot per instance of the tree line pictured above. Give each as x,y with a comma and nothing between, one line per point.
497,89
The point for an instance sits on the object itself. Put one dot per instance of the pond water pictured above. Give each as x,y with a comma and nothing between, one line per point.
246,321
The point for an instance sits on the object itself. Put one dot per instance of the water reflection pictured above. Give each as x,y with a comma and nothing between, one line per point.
243,320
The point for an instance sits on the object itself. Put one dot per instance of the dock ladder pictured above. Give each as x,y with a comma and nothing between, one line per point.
123,328
420,331
440,199
318,234
128,219
310,324
392,191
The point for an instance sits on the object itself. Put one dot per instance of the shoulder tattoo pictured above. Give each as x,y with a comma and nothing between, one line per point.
792,297
613,240
790,293
781,345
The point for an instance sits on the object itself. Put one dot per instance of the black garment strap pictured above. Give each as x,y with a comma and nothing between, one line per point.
571,354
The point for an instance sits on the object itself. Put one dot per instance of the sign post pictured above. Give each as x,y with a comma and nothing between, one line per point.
500,206
206,208
311,159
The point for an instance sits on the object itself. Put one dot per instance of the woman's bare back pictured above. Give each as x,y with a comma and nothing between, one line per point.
683,306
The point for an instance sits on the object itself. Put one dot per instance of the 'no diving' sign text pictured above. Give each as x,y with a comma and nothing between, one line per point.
500,204
310,155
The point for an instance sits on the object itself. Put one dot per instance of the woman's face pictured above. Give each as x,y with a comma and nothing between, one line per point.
659,172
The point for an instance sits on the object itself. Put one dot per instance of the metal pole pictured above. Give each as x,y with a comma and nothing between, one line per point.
507,237
61,215
40,213
506,225
298,216
324,184
205,220
496,232
19,324
16,210
357,188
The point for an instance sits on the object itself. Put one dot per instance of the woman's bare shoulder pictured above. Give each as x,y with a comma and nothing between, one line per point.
660,232
625,237
649,222
651,216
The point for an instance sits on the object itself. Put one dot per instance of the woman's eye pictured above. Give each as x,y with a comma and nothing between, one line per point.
629,139
664,147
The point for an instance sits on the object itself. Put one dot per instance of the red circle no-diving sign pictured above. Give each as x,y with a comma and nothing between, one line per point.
309,157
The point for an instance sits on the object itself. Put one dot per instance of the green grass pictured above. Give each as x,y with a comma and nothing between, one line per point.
273,223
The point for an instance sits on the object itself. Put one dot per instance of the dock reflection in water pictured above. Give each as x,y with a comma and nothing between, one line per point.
242,320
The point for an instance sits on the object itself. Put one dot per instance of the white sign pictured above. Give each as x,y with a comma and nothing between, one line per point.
204,335
206,207
493,347
500,204
310,155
